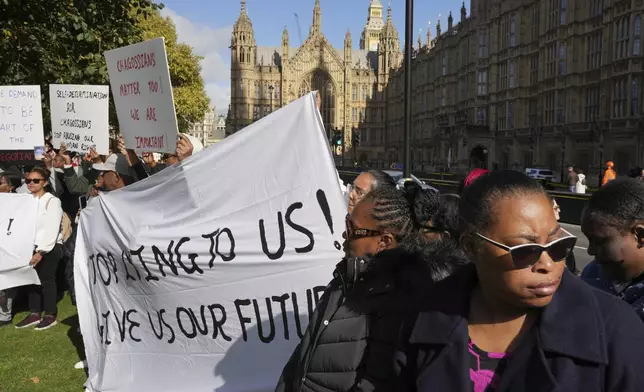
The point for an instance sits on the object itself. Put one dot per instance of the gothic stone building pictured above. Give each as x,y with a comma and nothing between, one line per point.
528,83
351,82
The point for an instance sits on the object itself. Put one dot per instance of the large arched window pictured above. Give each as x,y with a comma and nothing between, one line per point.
319,80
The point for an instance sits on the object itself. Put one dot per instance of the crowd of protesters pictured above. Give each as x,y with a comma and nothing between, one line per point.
436,292
61,183
478,292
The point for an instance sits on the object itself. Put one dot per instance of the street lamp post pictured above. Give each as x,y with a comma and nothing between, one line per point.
409,43
598,141
563,155
354,132
270,93
342,145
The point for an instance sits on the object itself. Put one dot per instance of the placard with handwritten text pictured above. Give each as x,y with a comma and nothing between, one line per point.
140,81
79,117
20,122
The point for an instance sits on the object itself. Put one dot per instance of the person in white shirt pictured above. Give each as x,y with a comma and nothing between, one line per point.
580,186
47,253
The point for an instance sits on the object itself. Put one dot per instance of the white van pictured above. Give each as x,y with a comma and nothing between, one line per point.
540,174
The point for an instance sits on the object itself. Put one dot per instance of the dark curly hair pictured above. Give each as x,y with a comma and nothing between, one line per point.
446,218
619,204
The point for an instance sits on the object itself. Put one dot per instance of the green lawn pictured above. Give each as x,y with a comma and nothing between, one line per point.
41,360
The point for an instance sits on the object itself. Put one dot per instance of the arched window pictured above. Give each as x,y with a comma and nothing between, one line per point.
320,81
241,55
248,55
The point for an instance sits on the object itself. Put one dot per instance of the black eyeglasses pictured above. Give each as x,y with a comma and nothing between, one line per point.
354,233
34,180
527,255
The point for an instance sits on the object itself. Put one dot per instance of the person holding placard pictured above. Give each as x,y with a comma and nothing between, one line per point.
47,253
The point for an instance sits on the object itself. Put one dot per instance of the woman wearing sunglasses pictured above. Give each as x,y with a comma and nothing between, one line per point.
352,336
517,319
47,253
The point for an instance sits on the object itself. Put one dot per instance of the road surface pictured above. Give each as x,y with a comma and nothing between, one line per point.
581,250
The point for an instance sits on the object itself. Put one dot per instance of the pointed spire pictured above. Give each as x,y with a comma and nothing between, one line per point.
438,27
420,39
243,23
317,18
429,33
347,46
285,44
389,12
463,13
450,22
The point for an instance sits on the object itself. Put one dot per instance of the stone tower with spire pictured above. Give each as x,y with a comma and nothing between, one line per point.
351,81
243,47
316,26
389,55
370,37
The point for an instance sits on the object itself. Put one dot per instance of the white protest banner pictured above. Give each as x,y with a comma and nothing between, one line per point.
79,117
140,81
20,122
18,216
202,277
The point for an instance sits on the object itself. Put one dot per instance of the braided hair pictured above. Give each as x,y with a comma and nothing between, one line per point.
393,213
424,203
619,204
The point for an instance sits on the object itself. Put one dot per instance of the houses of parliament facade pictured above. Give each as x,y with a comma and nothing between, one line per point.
526,83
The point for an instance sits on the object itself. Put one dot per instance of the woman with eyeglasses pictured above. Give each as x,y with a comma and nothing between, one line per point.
366,182
47,252
351,339
613,221
517,320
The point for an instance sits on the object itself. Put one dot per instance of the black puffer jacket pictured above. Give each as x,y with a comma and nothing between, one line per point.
352,335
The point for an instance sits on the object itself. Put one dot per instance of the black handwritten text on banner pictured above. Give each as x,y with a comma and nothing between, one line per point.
210,274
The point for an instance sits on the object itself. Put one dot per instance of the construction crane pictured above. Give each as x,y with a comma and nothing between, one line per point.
299,29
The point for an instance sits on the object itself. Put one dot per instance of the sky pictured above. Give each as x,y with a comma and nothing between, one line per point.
206,25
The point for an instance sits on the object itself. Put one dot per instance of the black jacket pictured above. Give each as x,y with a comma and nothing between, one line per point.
351,338
585,340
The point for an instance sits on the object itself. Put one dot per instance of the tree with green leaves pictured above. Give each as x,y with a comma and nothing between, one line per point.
190,98
63,41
